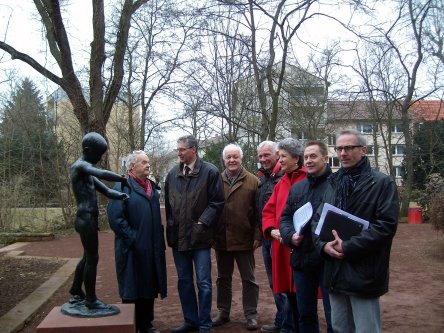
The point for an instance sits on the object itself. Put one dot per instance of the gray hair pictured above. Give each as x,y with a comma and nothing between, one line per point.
190,140
362,141
294,148
131,158
232,145
271,144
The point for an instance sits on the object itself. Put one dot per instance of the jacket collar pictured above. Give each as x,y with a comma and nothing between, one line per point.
241,176
271,174
276,170
135,187
297,173
196,168
321,178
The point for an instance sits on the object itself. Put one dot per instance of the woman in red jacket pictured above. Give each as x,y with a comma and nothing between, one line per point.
291,157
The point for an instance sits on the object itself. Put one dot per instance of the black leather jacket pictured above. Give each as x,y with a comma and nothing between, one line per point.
198,197
364,271
304,257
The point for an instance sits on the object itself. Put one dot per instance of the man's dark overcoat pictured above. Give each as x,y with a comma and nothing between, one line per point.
139,243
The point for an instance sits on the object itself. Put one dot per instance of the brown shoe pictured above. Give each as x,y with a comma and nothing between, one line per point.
251,324
220,320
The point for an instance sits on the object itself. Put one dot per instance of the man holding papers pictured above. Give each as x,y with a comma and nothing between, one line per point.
306,262
356,271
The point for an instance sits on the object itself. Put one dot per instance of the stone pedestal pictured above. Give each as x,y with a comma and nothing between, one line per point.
57,322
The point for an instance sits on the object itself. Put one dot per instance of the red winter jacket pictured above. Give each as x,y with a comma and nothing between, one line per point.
271,215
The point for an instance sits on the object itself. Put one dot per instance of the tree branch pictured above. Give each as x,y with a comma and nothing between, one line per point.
16,55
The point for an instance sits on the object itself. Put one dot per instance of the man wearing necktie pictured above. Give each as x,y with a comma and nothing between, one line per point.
194,199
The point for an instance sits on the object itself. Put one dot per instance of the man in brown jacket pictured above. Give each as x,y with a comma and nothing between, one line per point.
236,238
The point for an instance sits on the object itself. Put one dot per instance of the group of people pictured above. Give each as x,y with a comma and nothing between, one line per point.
235,212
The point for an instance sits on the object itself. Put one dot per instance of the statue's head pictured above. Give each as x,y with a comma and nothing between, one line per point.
93,146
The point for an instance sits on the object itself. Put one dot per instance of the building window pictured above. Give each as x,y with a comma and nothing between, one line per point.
370,150
398,149
367,128
399,171
334,162
331,140
396,128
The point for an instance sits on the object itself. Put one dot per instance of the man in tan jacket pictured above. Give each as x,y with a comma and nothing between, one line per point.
236,238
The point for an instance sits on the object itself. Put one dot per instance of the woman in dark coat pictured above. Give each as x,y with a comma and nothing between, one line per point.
139,242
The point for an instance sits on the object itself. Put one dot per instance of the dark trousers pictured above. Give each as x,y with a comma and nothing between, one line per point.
307,284
144,313
250,289
290,324
279,299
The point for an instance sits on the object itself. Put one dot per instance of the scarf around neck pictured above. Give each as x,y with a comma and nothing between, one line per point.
232,179
348,178
146,185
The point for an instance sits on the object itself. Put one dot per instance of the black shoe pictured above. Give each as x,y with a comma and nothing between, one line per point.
271,328
251,324
153,330
220,320
185,328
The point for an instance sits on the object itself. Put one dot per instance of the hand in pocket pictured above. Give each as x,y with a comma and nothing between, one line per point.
201,236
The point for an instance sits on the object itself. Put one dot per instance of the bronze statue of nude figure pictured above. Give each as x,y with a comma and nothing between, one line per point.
85,181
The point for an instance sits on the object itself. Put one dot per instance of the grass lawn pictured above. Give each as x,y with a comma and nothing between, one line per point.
36,219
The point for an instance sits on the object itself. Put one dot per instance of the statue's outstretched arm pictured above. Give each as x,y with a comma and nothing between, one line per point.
109,192
102,173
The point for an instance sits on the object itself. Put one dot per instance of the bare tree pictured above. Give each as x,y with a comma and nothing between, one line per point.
92,115
381,85
306,92
164,34
434,30
400,69
226,66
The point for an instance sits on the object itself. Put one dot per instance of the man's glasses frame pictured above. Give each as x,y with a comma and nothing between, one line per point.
181,150
346,148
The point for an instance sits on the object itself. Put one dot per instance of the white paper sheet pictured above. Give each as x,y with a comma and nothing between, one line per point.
301,216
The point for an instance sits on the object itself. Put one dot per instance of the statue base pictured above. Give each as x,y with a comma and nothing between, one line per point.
79,309
57,322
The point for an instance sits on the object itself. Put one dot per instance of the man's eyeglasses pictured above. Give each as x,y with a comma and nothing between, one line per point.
346,148
181,150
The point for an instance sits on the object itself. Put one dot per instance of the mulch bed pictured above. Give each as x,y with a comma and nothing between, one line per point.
19,277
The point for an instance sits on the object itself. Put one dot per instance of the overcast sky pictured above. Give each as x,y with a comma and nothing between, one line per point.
20,27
